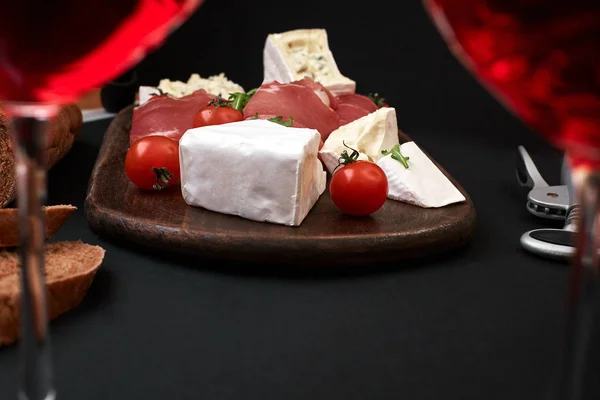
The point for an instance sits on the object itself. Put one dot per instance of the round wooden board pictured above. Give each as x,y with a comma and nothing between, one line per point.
162,221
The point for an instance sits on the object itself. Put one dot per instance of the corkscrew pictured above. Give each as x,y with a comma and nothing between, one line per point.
551,202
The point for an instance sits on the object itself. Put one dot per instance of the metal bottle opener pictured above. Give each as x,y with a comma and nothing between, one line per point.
543,200
551,202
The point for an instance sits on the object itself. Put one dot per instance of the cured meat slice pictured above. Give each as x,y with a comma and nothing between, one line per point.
297,99
349,112
358,100
324,94
167,116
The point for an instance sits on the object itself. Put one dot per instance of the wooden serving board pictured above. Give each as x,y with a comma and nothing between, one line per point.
162,221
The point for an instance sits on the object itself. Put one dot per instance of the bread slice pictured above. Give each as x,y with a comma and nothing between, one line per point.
70,270
9,229
7,165
61,133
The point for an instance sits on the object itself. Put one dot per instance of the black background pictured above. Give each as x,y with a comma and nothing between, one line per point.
482,322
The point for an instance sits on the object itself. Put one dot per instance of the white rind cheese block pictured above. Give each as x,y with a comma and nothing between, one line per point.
301,53
145,92
368,135
422,183
255,169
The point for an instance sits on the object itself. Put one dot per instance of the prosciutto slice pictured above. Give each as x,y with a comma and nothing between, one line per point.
167,116
324,94
349,112
358,100
298,99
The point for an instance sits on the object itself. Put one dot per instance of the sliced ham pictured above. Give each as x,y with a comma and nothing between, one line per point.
349,112
324,94
358,100
167,116
297,99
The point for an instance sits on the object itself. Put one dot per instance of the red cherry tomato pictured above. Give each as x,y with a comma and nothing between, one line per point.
359,188
216,115
152,163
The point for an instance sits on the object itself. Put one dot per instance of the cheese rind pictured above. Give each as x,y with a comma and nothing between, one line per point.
254,169
300,53
368,135
422,183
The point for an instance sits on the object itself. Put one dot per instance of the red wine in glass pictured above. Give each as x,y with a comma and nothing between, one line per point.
51,52
541,59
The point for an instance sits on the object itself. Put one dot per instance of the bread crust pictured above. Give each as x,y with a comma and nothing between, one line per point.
66,288
62,132
55,217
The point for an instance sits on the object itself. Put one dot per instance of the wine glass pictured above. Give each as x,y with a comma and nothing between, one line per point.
541,59
51,52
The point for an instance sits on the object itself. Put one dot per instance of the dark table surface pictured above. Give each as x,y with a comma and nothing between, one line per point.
483,322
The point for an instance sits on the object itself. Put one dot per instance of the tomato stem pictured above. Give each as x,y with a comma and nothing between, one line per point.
160,93
163,176
346,159
219,102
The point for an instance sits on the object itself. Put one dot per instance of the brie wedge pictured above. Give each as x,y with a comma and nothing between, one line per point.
422,183
255,169
368,135
300,53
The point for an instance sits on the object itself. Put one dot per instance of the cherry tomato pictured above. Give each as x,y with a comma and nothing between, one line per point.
152,163
359,188
216,115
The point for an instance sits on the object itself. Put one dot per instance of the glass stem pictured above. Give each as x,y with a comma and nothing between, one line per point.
583,292
29,143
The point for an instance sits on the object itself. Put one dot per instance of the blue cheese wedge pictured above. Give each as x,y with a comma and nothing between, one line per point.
215,84
300,53
422,183
368,135
255,169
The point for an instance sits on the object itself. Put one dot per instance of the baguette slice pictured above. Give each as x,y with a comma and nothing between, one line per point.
7,165
70,270
61,134
9,229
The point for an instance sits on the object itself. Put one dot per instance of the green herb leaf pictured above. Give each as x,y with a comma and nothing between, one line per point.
377,99
279,120
255,116
239,100
397,155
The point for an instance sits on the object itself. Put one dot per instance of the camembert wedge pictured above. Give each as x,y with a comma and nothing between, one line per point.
368,135
422,183
301,53
255,169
